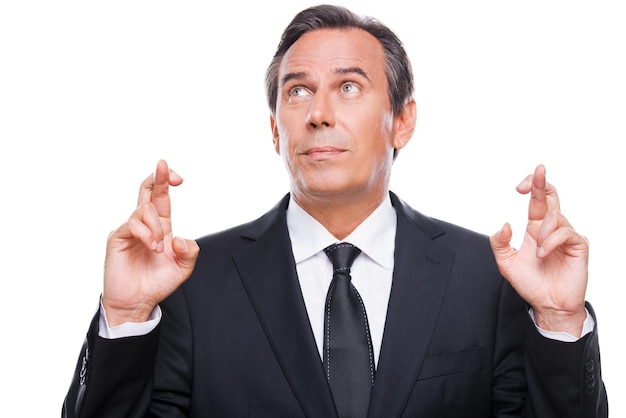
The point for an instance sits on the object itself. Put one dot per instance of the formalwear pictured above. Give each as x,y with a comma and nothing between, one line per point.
235,339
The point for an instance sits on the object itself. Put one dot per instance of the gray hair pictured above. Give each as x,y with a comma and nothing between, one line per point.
398,67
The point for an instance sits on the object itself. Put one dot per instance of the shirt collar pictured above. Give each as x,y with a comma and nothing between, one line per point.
375,236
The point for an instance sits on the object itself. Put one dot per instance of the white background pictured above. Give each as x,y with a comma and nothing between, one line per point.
92,94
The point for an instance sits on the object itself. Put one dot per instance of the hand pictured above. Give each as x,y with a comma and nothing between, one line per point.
550,270
144,262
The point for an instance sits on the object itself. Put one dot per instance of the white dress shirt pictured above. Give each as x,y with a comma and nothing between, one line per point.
371,272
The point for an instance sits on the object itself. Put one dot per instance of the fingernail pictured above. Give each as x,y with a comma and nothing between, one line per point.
183,243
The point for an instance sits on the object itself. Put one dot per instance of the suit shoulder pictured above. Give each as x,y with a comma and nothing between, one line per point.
240,235
434,227
459,239
459,231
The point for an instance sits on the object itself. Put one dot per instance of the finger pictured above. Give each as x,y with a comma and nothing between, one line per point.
525,185
148,216
186,252
161,190
146,189
501,244
572,243
556,232
552,221
552,198
538,205
175,178
144,225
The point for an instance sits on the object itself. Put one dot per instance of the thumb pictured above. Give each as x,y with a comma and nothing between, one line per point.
501,243
186,251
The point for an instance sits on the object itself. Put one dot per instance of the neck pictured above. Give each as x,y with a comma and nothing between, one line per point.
340,215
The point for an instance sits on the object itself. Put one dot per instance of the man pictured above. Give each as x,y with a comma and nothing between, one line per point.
238,324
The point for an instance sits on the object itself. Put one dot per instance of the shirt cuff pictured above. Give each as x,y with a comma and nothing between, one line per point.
588,326
128,329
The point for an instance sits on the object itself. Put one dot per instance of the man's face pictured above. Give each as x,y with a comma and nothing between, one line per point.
333,124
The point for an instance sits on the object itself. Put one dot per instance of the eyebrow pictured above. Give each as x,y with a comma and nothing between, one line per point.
302,74
292,76
353,70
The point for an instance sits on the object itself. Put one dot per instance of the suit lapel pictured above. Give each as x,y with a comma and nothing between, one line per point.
268,271
421,272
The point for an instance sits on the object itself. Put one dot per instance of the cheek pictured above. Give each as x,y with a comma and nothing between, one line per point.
377,156
284,150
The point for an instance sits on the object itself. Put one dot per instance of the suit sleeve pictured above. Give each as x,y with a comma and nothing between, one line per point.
113,377
539,377
564,379
140,376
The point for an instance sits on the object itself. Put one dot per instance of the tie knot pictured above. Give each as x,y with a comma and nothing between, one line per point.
342,255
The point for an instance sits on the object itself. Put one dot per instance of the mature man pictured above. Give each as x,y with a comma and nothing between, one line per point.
257,321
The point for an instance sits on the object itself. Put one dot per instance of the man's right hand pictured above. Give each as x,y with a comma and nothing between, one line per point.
144,263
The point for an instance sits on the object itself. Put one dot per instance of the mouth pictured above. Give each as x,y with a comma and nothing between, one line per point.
320,152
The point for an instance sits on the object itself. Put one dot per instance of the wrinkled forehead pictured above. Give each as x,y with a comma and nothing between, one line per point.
327,50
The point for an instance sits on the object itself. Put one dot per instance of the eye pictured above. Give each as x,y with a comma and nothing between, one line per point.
350,87
298,91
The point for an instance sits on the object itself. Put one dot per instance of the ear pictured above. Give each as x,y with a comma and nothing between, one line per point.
405,125
275,135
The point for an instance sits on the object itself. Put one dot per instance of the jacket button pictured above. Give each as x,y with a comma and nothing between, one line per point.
83,368
590,384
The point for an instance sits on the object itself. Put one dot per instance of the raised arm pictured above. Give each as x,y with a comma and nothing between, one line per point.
550,270
144,262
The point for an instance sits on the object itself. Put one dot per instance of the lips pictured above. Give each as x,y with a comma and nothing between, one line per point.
321,151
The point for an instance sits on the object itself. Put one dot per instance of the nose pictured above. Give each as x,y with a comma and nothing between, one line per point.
321,112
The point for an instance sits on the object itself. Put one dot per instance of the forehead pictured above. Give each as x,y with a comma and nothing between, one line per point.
330,49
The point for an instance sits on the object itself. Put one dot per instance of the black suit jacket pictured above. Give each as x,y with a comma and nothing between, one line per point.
235,339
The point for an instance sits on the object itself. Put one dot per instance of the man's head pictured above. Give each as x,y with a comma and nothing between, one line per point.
334,120
398,67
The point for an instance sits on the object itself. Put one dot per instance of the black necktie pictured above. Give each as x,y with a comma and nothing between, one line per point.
348,355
